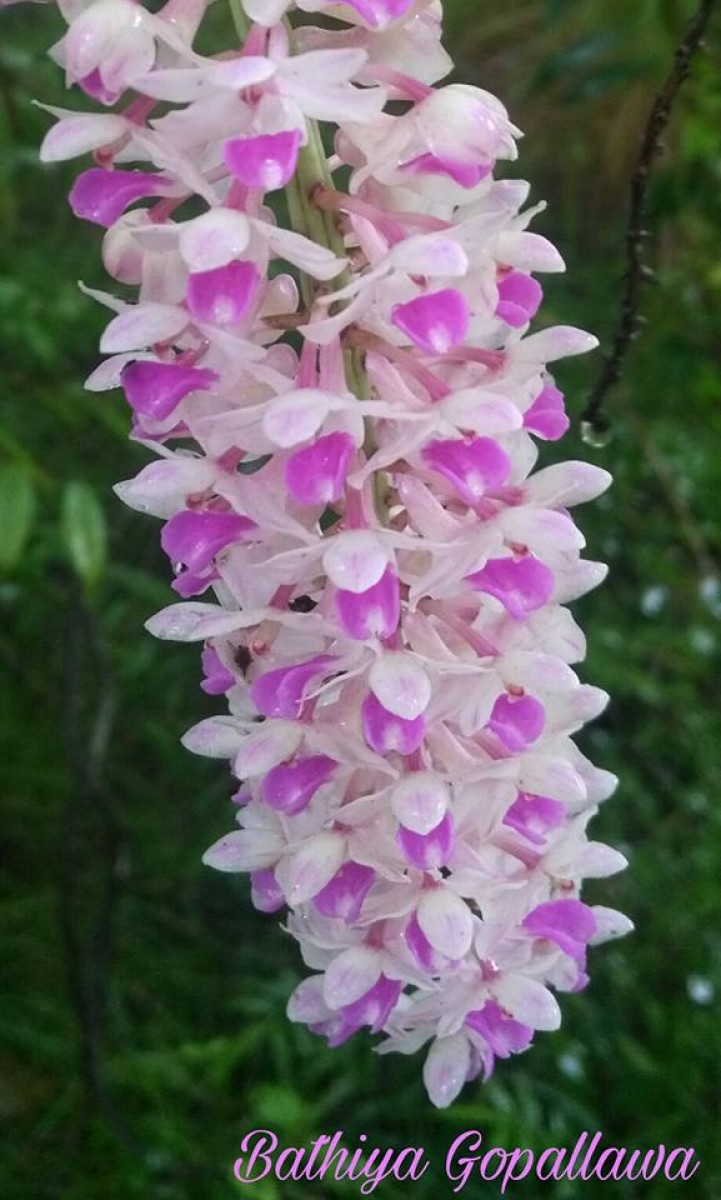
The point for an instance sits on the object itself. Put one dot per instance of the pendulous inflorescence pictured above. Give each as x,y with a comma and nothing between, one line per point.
327,351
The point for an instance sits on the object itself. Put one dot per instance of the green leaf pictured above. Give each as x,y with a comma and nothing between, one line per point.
84,532
17,508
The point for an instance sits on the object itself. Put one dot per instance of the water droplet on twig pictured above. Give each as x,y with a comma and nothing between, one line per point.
594,435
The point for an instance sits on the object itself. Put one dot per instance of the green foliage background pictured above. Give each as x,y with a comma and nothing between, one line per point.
141,1009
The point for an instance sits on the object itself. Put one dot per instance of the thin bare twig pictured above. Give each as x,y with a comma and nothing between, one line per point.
637,272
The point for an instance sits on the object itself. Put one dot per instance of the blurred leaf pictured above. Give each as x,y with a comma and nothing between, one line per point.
17,508
84,532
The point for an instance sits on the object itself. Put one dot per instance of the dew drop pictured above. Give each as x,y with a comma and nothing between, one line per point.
702,640
710,592
597,436
571,1066
700,990
653,600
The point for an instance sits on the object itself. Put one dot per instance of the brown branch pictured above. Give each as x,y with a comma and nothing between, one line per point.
637,272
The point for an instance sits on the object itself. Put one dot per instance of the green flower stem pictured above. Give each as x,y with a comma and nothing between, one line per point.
319,226
305,216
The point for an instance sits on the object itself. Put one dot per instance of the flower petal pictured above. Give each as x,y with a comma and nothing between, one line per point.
528,1001
213,240
307,871
446,921
420,801
272,743
141,326
355,560
401,685
215,737
296,416
241,850
351,975
446,1069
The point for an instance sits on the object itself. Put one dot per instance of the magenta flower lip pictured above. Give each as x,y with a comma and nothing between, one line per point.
223,295
517,721
474,467
194,538
155,389
385,731
317,474
266,162
343,897
290,787
103,196
376,611
379,13
428,851
519,298
522,585
569,923
281,693
547,416
436,322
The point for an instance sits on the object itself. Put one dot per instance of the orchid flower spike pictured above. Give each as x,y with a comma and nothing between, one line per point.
376,574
